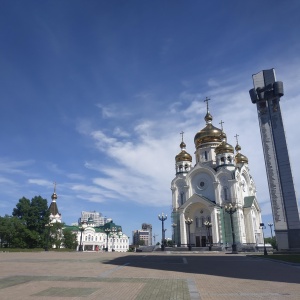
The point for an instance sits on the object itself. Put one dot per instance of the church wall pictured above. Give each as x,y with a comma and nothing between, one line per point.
202,184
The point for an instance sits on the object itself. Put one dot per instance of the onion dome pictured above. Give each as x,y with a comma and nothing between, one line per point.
224,147
209,133
54,196
183,155
239,157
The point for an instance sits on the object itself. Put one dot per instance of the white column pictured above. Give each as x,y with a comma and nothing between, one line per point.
183,234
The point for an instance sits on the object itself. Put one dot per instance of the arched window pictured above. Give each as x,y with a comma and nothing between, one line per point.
225,190
181,198
202,221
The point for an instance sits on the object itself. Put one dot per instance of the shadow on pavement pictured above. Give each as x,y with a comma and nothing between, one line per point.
233,266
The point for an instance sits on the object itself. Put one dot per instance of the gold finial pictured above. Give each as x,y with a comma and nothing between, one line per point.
236,137
222,122
206,100
181,133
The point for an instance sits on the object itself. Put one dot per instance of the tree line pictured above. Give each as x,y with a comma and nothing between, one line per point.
29,227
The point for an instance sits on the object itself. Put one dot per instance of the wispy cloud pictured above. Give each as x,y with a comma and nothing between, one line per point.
145,166
41,182
14,167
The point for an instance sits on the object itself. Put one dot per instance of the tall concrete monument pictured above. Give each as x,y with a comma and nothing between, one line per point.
266,95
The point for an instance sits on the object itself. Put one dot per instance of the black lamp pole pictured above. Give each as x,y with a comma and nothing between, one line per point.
188,222
231,209
113,230
262,226
48,236
174,230
80,244
81,228
271,225
208,225
162,218
107,231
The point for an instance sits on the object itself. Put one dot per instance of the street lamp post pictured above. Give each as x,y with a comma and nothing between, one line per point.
81,228
162,218
174,230
231,209
113,230
208,225
262,226
48,235
188,222
107,231
271,225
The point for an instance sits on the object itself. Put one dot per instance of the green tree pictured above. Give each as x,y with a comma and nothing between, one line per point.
69,239
13,232
34,215
55,237
271,241
141,243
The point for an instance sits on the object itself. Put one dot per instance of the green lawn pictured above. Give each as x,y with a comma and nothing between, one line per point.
294,258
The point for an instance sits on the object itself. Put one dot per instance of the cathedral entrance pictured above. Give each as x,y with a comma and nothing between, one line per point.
203,241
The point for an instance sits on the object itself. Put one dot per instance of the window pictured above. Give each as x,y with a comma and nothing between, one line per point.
181,198
202,221
205,155
225,189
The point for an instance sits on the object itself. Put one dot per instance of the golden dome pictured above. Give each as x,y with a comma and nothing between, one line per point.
208,134
224,148
183,155
238,147
240,158
54,196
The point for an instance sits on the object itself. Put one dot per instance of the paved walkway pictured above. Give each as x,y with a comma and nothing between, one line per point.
144,276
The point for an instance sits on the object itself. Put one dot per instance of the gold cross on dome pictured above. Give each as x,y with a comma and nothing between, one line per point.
236,137
206,100
182,135
222,122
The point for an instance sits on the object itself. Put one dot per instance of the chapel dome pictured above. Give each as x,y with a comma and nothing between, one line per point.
54,196
224,148
239,157
209,133
183,155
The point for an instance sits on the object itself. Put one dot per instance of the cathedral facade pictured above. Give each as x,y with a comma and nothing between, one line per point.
202,193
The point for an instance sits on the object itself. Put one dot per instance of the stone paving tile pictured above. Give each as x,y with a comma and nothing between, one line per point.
144,276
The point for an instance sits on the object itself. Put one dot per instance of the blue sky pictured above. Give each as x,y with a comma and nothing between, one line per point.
94,95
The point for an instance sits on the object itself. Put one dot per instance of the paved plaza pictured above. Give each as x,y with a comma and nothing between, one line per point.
144,276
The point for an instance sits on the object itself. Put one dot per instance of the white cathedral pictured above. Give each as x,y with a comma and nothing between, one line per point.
200,193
